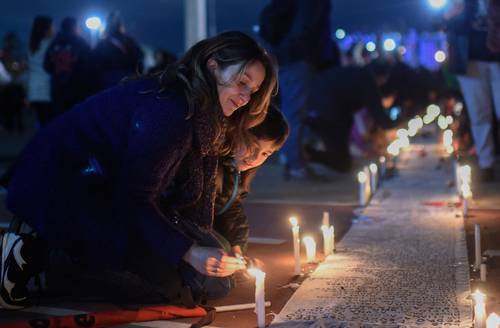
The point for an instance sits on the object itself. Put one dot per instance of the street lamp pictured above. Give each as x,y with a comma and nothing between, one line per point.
94,24
389,44
438,4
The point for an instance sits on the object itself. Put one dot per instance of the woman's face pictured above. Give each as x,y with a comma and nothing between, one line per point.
246,161
236,89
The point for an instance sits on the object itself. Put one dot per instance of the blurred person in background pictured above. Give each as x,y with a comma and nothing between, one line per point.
162,59
38,85
68,61
338,94
117,55
478,72
298,32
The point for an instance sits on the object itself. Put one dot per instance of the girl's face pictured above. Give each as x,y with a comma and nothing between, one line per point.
245,161
236,89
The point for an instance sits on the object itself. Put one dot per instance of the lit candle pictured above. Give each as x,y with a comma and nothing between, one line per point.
477,243
326,218
493,321
260,303
373,177
296,245
362,188
466,195
328,239
368,190
332,243
382,166
482,271
326,236
479,310
310,245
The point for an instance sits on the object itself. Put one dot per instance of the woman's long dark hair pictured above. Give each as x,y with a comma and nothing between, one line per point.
41,26
226,49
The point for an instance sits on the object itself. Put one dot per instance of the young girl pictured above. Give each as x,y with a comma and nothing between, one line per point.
89,183
235,175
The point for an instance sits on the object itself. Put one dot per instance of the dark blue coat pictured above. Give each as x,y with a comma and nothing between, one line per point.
90,181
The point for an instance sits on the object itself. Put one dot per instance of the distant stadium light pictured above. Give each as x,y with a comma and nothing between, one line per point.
371,46
340,34
437,4
440,56
93,23
389,44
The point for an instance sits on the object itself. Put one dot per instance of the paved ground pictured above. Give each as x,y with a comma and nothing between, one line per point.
270,204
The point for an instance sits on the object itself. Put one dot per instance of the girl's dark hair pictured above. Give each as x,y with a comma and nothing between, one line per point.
273,128
226,49
39,30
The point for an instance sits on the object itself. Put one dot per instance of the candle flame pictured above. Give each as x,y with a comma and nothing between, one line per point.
478,296
361,177
254,272
293,221
373,168
493,320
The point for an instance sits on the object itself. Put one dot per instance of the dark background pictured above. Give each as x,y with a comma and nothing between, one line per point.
159,23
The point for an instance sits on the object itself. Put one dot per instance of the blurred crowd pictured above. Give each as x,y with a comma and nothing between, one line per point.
338,102
62,68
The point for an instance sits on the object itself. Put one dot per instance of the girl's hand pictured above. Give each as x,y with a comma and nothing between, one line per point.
212,261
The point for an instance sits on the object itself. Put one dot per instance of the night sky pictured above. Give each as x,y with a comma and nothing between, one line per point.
159,23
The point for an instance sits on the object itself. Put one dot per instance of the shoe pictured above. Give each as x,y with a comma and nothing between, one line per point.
16,269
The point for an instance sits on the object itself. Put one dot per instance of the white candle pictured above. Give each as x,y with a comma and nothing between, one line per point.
493,321
296,245
326,218
483,272
479,310
373,177
332,242
362,188
260,303
382,165
477,244
368,190
310,245
328,239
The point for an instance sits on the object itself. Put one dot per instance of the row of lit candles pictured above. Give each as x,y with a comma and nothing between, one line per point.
463,184
309,242
310,246
480,320
367,188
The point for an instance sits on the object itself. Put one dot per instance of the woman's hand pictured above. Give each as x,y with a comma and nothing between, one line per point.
212,261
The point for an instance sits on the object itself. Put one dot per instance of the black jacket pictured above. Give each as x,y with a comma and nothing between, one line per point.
233,223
